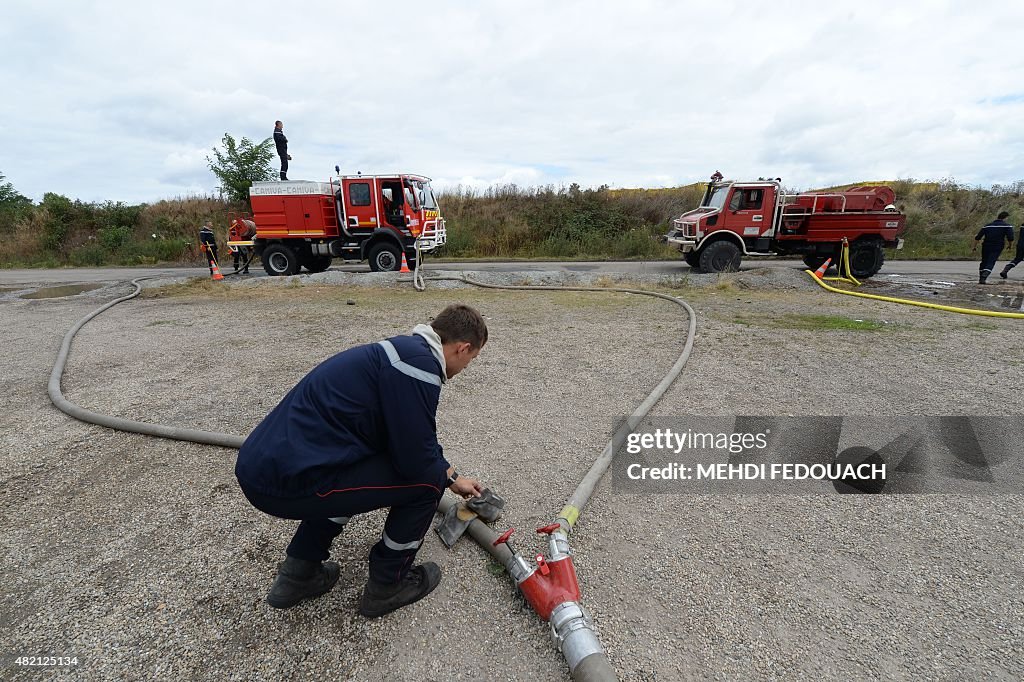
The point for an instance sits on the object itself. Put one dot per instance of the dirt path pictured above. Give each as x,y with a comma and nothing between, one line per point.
141,557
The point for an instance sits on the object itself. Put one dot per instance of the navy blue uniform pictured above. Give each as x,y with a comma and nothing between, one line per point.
207,238
1017,257
357,433
993,237
282,150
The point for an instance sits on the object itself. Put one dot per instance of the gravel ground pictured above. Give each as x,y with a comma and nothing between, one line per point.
140,556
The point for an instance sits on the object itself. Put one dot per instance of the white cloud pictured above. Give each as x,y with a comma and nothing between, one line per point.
122,101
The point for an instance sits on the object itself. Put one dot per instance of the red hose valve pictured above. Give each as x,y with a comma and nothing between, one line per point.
549,529
504,537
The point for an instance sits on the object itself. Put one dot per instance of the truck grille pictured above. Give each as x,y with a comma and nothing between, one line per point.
685,229
434,235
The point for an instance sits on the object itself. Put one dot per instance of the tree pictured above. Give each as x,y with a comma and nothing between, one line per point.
240,164
13,205
10,197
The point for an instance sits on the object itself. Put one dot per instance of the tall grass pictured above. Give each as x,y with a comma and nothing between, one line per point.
61,232
504,221
508,221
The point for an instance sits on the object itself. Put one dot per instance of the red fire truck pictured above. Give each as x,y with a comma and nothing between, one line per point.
737,219
304,224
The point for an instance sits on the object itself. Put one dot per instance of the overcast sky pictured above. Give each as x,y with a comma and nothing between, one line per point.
124,100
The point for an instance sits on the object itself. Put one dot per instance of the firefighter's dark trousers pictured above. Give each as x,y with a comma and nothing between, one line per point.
240,254
1017,257
989,256
284,167
211,254
366,486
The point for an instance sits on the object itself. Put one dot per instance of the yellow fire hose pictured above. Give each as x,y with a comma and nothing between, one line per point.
843,267
921,304
845,276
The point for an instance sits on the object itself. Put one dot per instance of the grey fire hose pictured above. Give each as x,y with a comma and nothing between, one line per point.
572,631
158,430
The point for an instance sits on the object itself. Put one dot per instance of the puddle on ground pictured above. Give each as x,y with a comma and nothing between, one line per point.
1001,296
61,291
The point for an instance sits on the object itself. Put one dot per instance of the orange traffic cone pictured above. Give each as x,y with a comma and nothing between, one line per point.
216,271
820,272
405,264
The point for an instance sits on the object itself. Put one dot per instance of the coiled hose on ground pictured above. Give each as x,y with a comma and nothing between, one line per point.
594,667
159,430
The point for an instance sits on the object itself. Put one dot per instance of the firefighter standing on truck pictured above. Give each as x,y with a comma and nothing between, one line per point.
359,433
208,243
282,148
995,235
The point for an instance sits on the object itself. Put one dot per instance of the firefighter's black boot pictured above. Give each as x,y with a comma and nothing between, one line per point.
379,599
298,579
981,280
1006,270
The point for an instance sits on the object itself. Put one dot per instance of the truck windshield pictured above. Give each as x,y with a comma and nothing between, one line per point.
427,199
717,199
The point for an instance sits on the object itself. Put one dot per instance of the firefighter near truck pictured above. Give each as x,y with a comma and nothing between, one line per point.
305,224
738,219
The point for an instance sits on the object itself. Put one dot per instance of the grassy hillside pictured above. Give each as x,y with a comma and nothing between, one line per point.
500,222
61,232
942,218
548,222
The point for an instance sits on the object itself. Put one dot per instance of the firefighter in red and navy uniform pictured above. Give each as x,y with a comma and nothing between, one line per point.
358,433
208,244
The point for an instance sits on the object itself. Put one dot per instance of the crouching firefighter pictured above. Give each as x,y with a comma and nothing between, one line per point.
358,433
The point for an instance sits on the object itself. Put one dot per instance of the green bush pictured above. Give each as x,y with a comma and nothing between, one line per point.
58,213
114,237
174,250
90,255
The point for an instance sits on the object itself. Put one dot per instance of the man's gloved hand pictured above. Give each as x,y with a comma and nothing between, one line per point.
466,486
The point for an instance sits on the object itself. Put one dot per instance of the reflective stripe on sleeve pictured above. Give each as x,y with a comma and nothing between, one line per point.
406,368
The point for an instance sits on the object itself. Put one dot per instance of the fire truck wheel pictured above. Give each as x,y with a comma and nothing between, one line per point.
721,256
816,260
385,257
866,258
692,259
279,260
318,263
